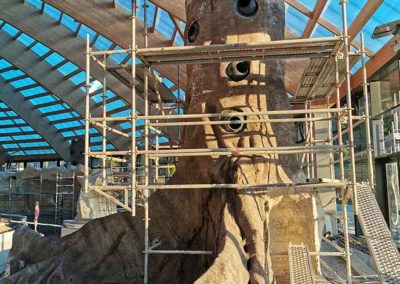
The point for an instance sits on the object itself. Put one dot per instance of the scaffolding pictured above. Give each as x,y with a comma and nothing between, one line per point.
328,69
64,197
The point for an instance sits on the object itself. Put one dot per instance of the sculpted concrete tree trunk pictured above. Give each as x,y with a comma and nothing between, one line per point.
248,232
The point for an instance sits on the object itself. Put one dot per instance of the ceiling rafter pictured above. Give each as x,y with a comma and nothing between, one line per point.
363,17
26,110
316,14
41,71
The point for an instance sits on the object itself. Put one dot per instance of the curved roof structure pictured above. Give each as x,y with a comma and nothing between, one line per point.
42,62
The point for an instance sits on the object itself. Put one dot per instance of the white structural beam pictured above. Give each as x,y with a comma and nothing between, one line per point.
32,116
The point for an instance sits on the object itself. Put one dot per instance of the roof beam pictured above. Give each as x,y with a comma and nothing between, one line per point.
363,17
330,27
174,7
53,81
61,40
101,17
316,14
33,117
380,59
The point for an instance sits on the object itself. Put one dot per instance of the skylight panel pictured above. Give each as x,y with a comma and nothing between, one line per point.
67,68
33,144
118,58
4,64
114,105
10,30
102,43
164,24
9,130
25,39
27,128
320,31
79,78
10,146
295,20
5,138
69,22
27,137
68,134
151,8
63,125
127,4
42,100
33,91
54,59
333,12
19,121
52,108
179,40
35,3
309,4
52,12
60,116
12,74
40,152
6,122
123,113
40,49
23,82
84,30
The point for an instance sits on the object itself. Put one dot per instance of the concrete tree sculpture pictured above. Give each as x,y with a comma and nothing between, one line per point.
247,231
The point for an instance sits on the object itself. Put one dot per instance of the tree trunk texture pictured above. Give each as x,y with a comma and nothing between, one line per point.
248,232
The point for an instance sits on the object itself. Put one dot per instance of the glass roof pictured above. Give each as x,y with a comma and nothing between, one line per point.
70,124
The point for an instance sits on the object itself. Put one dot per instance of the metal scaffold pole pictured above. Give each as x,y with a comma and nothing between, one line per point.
133,110
371,178
146,156
104,138
339,122
87,116
350,139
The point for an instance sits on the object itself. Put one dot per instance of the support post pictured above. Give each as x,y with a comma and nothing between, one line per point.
87,116
371,177
346,236
146,156
350,134
133,110
104,134
307,133
339,123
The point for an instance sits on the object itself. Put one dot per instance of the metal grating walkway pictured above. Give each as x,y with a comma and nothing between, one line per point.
377,234
300,265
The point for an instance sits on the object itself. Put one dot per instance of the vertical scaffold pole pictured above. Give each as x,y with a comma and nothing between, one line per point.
371,177
104,138
350,139
87,116
312,140
307,133
349,103
330,142
339,123
133,109
146,158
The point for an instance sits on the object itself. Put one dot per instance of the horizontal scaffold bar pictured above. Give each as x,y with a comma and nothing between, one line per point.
298,48
212,115
227,151
337,184
193,252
